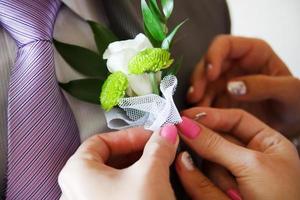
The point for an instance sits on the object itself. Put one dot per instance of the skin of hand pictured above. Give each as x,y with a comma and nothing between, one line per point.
246,73
88,175
220,176
264,164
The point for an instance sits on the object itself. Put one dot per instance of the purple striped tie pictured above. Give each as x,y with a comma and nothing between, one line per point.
42,133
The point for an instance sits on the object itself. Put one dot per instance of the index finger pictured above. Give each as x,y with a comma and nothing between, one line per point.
245,127
234,121
253,55
103,146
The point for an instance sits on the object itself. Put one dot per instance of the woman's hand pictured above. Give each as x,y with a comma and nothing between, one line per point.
89,173
246,73
264,164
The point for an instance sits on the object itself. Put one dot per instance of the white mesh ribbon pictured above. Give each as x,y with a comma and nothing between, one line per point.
151,111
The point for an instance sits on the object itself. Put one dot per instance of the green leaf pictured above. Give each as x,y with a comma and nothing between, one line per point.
152,23
82,60
154,42
168,6
102,35
84,89
174,69
156,10
166,44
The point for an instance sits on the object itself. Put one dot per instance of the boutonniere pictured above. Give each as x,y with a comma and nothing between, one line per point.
133,80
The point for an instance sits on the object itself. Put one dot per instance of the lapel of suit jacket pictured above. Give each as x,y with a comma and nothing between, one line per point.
123,17
88,10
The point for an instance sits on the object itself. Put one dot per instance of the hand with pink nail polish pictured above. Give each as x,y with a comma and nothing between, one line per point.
257,162
110,166
246,73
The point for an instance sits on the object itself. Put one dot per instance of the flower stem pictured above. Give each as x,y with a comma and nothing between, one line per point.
154,84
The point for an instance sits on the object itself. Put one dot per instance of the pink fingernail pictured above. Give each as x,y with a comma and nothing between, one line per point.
189,128
169,132
234,194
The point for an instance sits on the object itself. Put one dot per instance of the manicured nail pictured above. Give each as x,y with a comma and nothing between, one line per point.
189,128
200,116
187,161
191,90
237,88
234,194
209,66
169,132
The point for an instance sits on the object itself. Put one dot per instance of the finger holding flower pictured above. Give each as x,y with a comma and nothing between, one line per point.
90,175
267,166
136,89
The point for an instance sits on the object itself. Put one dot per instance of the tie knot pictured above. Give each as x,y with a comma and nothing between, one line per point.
29,20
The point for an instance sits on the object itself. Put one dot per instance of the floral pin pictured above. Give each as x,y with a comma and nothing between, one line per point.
133,80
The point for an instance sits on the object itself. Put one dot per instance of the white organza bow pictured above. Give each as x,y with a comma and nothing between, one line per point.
150,111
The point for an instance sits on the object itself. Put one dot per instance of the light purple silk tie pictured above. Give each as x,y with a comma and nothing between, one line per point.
42,133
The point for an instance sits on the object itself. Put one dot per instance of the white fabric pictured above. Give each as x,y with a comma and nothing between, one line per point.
150,111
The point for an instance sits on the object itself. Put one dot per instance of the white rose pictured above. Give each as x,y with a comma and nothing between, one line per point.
118,54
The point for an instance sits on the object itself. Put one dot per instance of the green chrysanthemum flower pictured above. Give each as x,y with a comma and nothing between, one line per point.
113,89
150,60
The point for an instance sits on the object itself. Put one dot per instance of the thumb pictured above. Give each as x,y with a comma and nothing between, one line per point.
160,150
262,87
